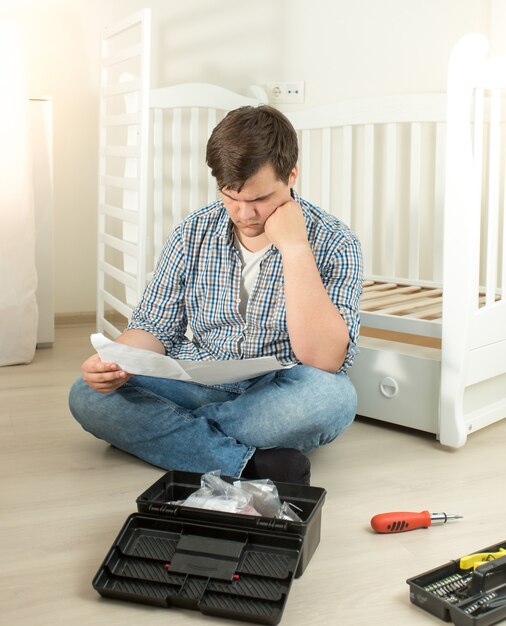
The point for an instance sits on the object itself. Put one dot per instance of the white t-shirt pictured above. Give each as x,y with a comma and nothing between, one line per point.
250,268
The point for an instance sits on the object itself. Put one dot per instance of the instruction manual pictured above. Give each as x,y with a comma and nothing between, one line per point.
148,363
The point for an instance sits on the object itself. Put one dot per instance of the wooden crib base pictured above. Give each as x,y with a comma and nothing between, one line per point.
393,298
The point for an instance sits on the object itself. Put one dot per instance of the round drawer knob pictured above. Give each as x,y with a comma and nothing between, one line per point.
389,387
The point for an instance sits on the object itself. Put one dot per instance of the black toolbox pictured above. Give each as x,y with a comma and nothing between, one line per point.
222,564
465,597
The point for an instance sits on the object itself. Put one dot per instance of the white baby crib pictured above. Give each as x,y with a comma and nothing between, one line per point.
419,178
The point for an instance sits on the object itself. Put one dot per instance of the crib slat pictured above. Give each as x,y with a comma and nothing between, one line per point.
119,213
389,225
211,183
325,170
493,197
101,215
475,217
408,300
346,165
127,184
125,119
379,287
120,151
306,164
116,304
122,55
121,276
414,200
194,158
368,206
478,131
408,307
503,270
439,199
105,325
118,89
434,312
157,182
176,166
119,244
379,295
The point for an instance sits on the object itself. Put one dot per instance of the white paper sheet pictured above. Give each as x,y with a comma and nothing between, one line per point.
148,363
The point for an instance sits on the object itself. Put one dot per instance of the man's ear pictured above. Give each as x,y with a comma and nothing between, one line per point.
293,176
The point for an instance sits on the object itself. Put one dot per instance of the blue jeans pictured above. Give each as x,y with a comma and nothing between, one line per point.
187,426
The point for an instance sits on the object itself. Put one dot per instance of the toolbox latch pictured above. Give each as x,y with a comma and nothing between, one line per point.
163,509
272,524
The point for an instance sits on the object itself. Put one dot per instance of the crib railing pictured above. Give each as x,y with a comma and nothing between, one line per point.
123,170
377,163
474,337
183,119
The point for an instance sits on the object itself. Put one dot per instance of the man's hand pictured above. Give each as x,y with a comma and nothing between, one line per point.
318,334
103,377
286,227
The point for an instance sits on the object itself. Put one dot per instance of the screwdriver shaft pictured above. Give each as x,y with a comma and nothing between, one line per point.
442,518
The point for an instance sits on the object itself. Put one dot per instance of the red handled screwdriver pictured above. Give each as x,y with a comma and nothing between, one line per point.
400,522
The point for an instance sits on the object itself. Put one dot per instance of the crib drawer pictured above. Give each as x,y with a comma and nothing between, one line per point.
398,383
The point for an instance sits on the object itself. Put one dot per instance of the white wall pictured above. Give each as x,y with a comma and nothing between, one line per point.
340,48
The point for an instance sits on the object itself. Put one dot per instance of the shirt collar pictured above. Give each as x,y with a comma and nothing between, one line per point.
225,226
303,206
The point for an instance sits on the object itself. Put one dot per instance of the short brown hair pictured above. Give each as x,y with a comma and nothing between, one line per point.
248,138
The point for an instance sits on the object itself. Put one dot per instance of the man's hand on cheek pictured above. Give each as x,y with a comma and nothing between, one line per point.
286,227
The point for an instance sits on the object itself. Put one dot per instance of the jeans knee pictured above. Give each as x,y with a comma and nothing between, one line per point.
337,406
80,401
74,396
92,411
347,400
323,405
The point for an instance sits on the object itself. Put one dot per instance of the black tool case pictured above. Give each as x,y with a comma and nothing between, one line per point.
464,597
222,564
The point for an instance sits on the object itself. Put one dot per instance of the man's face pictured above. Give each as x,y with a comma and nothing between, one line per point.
260,196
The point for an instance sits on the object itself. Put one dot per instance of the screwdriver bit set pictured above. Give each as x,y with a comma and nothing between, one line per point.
470,591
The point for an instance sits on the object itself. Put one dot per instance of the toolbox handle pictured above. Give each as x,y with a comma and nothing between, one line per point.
481,572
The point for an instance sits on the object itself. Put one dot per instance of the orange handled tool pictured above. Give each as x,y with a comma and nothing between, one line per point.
402,521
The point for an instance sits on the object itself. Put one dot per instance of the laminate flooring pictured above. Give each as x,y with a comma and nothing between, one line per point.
65,495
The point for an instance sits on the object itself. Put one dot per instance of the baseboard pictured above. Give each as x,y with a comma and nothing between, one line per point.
89,318
84,318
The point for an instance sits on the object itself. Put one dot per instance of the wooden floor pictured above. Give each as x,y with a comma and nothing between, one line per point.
65,495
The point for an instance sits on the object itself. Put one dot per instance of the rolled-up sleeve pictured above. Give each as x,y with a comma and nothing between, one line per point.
161,310
343,279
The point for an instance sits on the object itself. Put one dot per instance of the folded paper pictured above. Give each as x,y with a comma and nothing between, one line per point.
148,363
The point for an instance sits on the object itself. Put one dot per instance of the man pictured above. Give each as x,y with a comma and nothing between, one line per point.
259,272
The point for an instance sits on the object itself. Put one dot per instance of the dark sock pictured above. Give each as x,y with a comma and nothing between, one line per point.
284,465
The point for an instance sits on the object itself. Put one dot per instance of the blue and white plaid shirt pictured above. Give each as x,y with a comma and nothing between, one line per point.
197,284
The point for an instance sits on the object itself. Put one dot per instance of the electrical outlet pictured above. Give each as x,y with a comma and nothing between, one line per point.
286,93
